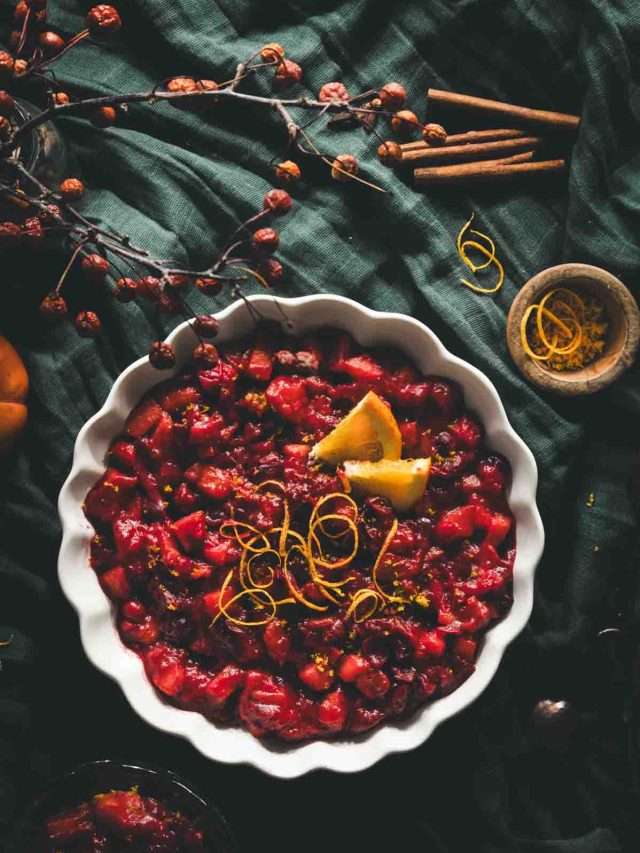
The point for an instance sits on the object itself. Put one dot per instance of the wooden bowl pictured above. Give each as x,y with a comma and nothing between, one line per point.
623,334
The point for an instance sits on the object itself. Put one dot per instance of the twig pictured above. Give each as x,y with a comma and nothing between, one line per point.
75,107
49,60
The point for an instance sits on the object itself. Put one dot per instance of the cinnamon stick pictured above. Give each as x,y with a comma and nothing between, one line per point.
522,157
474,151
559,121
485,170
468,136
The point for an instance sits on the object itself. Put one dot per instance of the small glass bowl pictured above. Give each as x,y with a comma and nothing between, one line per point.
83,782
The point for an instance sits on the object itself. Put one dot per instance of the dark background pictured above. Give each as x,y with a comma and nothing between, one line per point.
178,183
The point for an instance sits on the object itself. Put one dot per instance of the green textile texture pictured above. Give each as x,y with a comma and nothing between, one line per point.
177,183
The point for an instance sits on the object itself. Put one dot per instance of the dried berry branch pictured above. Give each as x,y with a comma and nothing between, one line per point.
110,259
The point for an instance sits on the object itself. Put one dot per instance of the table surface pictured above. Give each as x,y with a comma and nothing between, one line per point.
177,183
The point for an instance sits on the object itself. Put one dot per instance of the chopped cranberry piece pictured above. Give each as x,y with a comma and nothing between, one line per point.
184,498
162,438
446,397
190,531
260,365
467,432
211,601
351,666
287,397
140,633
194,688
177,398
350,392
130,538
143,418
362,718
362,368
317,677
465,647
373,683
219,376
266,704
223,685
247,645
319,416
295,459
492,473
277,641
133,610
455,524
285,358
109,496
115,583
334,710
429,644
398,699
476,615
125,813
307,361
469,484
321,631
498,528
154,502
213,482
220,550
413,395
206,429
122,454
169,474
165,668
409,433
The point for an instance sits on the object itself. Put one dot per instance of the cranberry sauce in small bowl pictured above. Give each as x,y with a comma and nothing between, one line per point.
109,807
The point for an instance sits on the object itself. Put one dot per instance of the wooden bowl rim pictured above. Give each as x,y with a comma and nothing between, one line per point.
563,274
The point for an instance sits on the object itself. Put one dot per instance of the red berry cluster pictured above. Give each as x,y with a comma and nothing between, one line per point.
33,43
165,288
287,72
405,123
105,258
262,244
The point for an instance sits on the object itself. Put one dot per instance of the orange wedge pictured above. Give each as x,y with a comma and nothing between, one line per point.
401,481
368,432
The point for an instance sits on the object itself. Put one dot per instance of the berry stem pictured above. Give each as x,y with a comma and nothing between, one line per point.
49,60
232,243
24,32
78,249
293,129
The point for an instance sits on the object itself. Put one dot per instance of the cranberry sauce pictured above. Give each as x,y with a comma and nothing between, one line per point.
185,490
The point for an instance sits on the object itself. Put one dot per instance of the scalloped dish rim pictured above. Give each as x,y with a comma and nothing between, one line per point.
230,744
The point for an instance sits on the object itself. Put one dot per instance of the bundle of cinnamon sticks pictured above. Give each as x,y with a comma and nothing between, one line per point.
486,155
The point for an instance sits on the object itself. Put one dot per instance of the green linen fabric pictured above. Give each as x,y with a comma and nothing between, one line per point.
177,183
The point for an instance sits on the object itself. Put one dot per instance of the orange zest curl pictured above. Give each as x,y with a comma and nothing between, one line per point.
245,544
564,330
224,607
292,584
372,600
489,252
266,557
381,553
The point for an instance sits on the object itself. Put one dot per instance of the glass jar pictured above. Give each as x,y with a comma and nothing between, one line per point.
43,153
